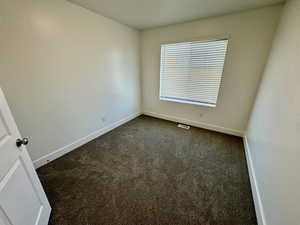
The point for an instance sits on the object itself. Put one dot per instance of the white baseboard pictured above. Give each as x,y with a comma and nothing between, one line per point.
64,150
255,191
197,124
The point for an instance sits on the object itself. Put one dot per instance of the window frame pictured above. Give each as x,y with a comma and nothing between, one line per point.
191,102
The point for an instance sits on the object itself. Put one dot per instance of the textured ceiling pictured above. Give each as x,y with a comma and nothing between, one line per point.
143,14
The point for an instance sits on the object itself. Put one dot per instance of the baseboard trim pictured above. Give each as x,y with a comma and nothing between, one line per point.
260,215
70,147
196,124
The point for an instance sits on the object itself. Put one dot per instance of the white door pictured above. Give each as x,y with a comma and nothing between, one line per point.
22,198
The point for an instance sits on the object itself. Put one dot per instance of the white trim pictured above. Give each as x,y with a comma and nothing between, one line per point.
218,37
187,102
197,124
260,215
70,147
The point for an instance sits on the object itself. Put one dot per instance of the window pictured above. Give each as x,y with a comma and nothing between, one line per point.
191,72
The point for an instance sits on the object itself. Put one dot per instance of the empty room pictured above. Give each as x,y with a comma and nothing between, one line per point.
138,112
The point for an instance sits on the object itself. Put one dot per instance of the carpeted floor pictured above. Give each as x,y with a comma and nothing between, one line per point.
149,172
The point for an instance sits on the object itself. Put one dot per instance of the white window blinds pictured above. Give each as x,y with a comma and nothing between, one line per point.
191,72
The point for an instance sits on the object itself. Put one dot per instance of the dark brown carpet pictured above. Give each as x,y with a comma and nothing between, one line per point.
149,172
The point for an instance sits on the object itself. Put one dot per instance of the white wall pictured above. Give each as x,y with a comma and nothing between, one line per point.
251,36
63,69
274,129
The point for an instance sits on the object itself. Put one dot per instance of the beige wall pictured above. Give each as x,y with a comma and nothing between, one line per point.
274,128
251,34
65,71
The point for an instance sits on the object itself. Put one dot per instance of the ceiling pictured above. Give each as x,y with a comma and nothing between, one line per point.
142,14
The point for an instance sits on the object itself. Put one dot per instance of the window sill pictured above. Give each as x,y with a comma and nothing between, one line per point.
188,102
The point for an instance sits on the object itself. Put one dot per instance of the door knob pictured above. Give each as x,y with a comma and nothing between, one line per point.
20,142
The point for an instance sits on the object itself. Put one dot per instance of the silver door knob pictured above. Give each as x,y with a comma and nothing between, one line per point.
20,142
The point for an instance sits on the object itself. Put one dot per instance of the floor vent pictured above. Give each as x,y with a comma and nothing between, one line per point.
183,126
